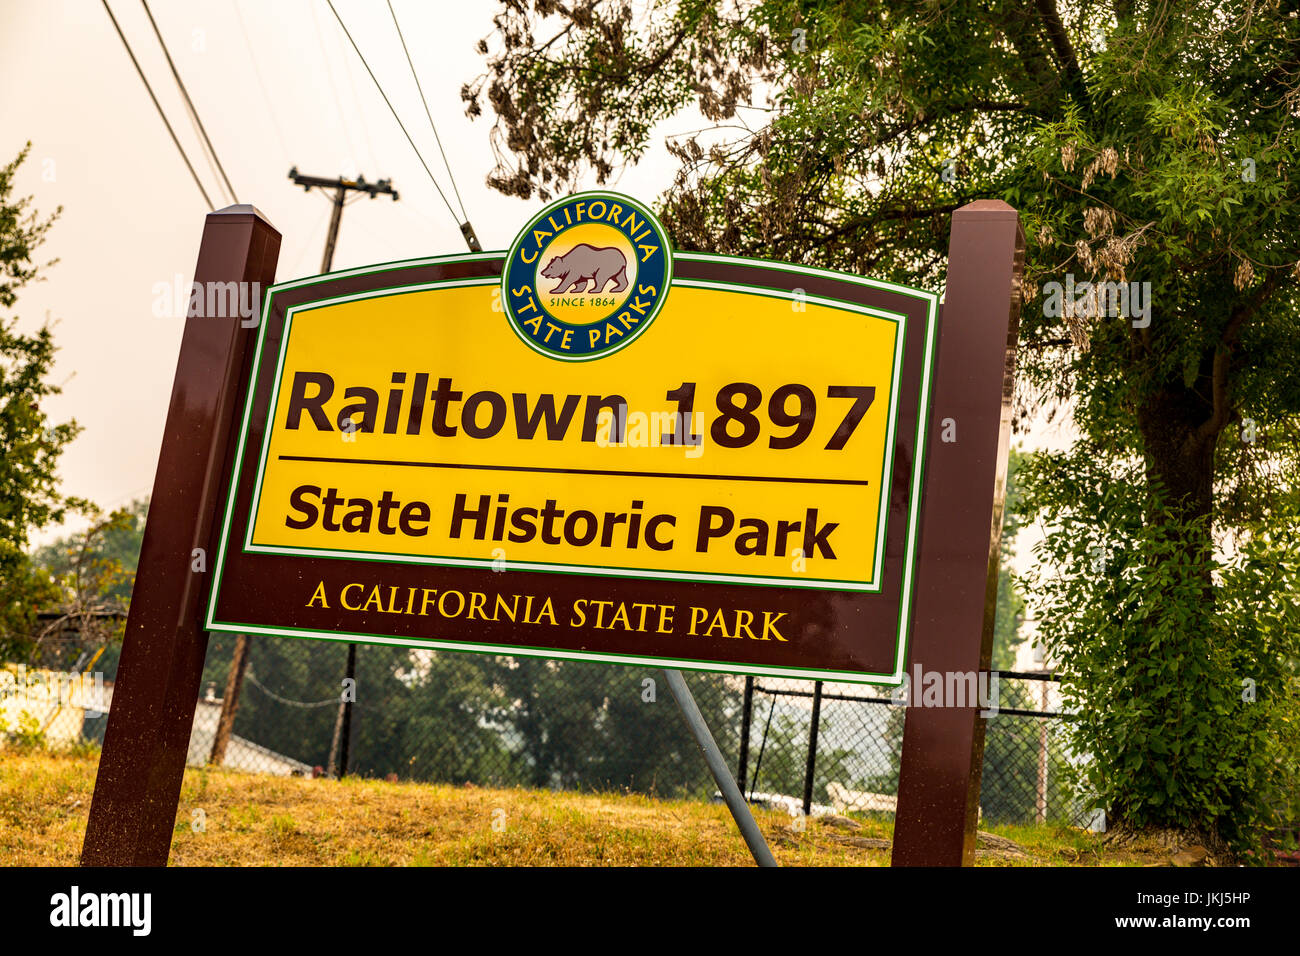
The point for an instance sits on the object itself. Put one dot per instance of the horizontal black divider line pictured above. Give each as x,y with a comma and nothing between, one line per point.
570,471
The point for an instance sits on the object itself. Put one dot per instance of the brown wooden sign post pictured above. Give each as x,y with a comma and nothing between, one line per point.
961,531
372,487
138,784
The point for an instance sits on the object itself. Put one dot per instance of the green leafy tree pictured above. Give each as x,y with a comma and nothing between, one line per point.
429,716
105,556
1186,716
1148,142
1010,613
30,444
483,719
592,726
94,572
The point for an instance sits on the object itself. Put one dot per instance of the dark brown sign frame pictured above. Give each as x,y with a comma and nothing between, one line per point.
829,634
142,763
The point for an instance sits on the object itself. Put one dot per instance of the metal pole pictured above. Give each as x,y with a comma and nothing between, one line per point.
742,772
811,767
1042,758
718,766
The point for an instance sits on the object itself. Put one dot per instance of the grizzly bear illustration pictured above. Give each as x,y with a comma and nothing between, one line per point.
583,263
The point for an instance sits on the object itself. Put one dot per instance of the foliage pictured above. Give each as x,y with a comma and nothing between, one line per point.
30,444
1187,708
94,572
1010,613
22,231
406,697
25,736
584,725
24,591
782,726
1142,142
100,562
500,720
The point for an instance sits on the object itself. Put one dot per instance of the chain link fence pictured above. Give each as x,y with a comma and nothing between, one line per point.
495,720
505,721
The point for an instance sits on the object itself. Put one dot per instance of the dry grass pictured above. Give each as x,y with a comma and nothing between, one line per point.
257,820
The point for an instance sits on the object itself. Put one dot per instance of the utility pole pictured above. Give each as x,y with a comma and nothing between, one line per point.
339,746
341,189
230,701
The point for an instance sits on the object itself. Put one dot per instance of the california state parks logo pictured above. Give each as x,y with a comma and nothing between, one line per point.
586,276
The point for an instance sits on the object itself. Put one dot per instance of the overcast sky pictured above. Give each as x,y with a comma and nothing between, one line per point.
132,214
276,84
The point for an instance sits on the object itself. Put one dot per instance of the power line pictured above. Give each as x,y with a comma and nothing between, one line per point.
210,158
437,138
418,155
188,165
329,78
257,72
188,102
356,102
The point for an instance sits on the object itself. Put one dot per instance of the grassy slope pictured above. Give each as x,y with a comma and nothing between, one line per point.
258,820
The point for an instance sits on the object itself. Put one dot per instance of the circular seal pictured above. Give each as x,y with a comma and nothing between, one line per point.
586,276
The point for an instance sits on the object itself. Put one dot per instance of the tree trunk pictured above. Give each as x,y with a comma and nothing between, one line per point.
1180,460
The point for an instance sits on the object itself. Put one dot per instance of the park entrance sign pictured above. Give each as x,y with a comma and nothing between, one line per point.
593,449
588,446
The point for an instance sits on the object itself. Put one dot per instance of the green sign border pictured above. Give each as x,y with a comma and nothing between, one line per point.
909,565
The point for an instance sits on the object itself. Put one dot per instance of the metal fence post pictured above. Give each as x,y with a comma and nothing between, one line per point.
337,765
811,767
345,743
746,714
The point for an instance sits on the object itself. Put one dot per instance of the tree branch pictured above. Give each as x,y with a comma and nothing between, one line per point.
1222,411
1074,81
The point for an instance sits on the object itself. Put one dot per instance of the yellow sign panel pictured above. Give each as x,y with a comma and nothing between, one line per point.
748,438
